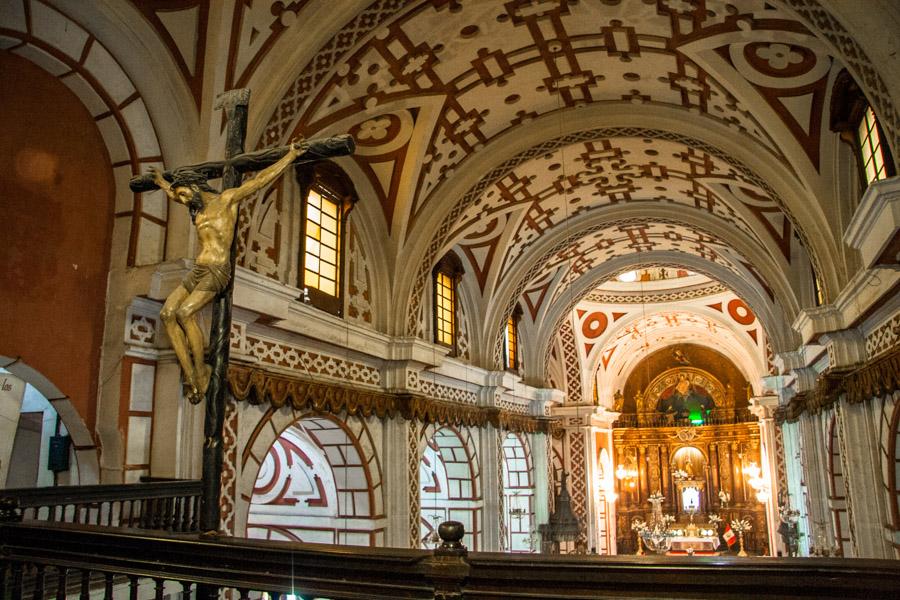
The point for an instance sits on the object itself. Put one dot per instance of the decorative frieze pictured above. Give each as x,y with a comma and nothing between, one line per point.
258,386
874,379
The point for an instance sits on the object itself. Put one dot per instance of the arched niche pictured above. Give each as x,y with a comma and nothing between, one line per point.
689,466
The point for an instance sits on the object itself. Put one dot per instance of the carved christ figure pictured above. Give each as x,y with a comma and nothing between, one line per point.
214,215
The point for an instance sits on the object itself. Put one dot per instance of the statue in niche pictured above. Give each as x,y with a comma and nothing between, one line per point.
686,401
214,215
618,401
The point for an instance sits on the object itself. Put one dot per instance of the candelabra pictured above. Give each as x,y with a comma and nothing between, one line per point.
656,534
741,526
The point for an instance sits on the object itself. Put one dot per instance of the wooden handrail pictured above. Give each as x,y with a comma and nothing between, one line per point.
85,494
168,505
341,572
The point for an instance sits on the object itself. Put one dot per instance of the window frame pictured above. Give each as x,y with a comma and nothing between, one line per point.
451,267
333,184
879,150
848,109
512,361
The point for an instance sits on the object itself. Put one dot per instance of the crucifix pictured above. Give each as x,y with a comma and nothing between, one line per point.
215,216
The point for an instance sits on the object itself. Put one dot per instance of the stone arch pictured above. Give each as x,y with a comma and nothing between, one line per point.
778,287
731,343
771,316
348,504
450,487
87,454
583,125
62,47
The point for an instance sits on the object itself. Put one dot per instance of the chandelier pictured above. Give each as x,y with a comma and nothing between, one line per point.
655,533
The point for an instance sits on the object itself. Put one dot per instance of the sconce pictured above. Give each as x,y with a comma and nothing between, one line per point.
606,485
756,480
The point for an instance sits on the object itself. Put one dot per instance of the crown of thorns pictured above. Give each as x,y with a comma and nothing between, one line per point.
188,178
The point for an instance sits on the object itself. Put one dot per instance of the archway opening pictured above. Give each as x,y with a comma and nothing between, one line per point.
518,494
449,487
315,485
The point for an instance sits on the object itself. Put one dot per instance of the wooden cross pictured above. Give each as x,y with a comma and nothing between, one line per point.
231,170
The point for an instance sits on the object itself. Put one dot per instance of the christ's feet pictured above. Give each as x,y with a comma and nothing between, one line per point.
203,376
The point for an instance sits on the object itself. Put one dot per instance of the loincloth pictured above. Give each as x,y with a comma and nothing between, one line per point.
207,278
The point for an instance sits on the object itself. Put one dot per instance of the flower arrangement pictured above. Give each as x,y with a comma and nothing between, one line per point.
669,519
680,474
656,497
741,525
714,519
638,525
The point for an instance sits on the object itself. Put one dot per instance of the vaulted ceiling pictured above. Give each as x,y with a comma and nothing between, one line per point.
551,144
543,140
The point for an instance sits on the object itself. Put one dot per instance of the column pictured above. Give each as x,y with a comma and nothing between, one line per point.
602,530
815,473
763,408
171,454
540,464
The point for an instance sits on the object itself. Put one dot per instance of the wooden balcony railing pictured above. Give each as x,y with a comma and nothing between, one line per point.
58,560
167,505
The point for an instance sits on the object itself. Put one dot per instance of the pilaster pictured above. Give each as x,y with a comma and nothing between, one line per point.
763,407
493,513
868,511
815,474
396,471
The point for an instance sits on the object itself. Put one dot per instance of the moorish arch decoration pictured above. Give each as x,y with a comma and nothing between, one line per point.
387,75
319,482
450,487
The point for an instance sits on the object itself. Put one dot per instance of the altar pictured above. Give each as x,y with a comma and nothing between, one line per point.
706,545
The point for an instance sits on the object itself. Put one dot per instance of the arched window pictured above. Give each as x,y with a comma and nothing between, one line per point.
511,339
854,119
447,274
320,482
449,486
518,493
328,195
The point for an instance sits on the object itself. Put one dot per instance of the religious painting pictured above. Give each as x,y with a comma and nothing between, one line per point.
685,393
686,400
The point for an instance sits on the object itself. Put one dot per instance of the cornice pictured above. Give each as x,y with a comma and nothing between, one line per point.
876,223
855,385
258,386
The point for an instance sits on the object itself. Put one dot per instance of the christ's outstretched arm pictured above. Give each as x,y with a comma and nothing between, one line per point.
264,177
